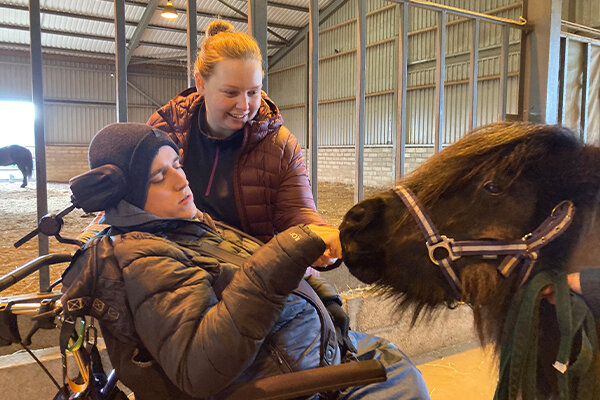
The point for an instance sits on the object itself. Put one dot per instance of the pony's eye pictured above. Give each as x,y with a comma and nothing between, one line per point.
492,187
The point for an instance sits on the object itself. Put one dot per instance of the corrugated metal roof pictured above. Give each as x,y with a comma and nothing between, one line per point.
85,27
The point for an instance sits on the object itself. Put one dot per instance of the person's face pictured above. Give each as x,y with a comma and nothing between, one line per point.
231,94
169,195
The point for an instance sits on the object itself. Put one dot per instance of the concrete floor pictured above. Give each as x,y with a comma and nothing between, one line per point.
469,375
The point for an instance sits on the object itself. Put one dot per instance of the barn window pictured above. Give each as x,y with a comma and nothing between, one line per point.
16,128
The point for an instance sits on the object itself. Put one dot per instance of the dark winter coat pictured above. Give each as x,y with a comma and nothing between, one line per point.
179,323
270,182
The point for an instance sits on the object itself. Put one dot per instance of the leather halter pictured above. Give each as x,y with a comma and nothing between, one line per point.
443,251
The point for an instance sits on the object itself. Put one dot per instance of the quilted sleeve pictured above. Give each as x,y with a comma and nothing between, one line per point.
203,342
294,203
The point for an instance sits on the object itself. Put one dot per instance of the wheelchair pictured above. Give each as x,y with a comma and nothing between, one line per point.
77,339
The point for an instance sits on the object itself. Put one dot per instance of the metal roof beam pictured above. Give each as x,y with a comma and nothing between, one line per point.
84,54
274,43
298,37
243,14
212,15
92,37
140,28
90,17
287,6
181,58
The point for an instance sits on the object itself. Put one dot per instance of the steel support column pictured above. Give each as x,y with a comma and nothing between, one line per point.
37,94
313,95
585,91
541,58
359,137
562,87
400,143
473,76
257,27
503,73
192,40
440,74
134,42
120,61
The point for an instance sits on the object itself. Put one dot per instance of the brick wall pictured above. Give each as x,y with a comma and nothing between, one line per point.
64,162
336,164
415,155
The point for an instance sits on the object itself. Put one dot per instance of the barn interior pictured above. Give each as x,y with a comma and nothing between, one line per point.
371,89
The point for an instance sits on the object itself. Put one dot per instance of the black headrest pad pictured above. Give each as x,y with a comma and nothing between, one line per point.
98,189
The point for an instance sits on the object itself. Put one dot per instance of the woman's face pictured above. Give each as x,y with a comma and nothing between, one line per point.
169,195
231,95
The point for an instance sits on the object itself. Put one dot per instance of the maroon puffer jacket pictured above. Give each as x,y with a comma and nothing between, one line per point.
270,181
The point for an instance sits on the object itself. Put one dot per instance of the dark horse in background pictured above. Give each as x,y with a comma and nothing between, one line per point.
498,183
19,155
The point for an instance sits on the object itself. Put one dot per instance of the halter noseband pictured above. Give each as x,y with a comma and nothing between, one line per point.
443,251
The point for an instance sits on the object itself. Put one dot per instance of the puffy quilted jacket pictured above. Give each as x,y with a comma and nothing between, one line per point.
179,323
270,181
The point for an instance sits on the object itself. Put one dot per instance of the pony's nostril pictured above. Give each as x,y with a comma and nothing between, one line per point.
356,215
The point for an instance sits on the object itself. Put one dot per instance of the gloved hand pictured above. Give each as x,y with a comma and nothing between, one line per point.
341,322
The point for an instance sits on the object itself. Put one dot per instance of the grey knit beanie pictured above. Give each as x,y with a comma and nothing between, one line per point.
131,147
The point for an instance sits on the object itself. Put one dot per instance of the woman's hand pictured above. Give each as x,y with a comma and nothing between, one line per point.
333,250
574,284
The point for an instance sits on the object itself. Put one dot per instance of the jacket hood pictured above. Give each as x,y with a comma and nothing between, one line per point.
126,214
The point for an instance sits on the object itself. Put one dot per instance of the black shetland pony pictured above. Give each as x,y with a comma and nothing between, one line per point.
19,155
497,184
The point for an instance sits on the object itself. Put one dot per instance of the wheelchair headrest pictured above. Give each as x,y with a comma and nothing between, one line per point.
98,189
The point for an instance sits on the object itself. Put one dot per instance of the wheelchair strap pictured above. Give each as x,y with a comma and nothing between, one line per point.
329,343
68,341
576,369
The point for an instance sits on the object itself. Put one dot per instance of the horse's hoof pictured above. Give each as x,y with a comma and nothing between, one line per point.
23,186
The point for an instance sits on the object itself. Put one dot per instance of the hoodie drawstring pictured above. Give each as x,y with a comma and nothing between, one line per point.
212,174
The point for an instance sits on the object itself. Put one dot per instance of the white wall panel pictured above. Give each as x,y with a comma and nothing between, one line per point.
298,55
289,87
380,119
295,120
336,123
337,71
15,81
586,12
338,40
337,77
343,14
75,124
79,97
381,67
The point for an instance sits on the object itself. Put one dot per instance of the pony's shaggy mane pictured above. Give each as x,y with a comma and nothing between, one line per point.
503,146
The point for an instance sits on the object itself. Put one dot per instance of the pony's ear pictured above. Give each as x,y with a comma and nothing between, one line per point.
98,189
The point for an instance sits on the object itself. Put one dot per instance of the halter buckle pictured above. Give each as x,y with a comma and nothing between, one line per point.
446,244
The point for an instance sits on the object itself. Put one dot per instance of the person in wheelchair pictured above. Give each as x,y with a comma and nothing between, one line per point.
189,309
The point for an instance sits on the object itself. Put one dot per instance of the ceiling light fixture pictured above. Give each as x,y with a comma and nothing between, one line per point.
169,11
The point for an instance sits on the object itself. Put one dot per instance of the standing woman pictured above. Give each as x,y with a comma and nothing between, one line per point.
244,167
